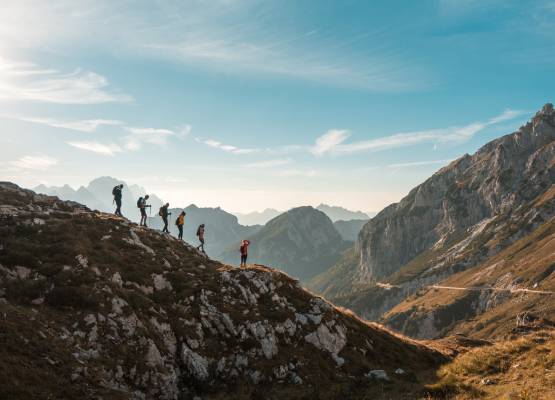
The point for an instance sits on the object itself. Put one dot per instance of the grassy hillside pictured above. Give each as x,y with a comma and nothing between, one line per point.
484,301
94,306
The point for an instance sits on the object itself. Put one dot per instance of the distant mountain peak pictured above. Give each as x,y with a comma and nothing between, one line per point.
301,241
338,213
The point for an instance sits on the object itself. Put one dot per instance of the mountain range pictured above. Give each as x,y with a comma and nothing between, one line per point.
342,214
302,242
222,229
474,242
97,195
224,232
257,217
335,213
95,306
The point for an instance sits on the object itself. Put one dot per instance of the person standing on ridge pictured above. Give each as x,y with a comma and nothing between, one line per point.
179,222
116,191
244,249
141,203
164,214
200,234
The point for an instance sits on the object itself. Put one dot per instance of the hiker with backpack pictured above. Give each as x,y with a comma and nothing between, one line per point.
164,214
116,192
244,250
200,235
179,222
141,204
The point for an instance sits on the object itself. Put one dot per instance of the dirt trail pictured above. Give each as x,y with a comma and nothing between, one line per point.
389,286
512,290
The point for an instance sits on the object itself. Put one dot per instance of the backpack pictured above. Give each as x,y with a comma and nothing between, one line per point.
139,202
177,221
115,190
161,212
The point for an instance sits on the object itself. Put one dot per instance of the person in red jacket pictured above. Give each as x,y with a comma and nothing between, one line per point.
244,249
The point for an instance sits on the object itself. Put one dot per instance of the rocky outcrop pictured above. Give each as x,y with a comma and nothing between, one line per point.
94,306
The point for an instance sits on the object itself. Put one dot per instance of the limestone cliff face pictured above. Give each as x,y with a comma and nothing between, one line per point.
503,175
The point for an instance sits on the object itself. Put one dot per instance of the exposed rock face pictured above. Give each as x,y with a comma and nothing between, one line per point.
458,219
501,176
302,242
142,315
349,230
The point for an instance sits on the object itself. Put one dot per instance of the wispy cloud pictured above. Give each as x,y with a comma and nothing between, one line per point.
86,125
138,136
329,140
228,148
217,36
456,134
183,131
381,73
133,140
96,147
34,162
27,81
269,163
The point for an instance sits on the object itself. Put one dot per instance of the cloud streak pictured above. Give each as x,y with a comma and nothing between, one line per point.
86,125
96,147
228,148
24,81
216,36
139,136
329,140
134,140
334,144
34,162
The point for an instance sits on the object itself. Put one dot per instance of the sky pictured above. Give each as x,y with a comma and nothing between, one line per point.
249,104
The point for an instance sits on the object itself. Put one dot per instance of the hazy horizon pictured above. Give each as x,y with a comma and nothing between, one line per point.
251,105
108,198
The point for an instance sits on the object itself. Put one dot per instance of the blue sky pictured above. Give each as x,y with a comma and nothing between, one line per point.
254,104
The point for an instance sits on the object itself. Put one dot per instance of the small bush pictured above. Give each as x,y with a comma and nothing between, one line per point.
23,291
73,297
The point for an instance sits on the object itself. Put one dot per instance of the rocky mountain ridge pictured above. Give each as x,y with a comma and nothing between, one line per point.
462,216
93,306
97,195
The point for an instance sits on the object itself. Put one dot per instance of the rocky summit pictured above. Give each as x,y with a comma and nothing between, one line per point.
93,306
